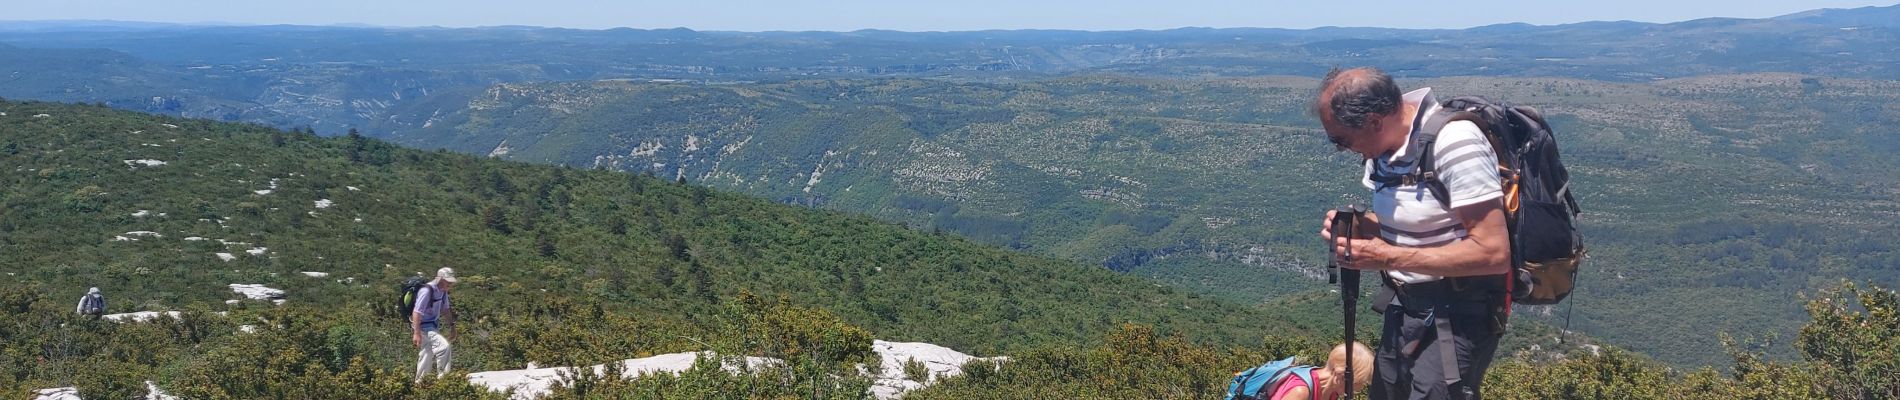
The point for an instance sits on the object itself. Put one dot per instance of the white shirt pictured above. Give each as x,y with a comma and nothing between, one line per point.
1411,216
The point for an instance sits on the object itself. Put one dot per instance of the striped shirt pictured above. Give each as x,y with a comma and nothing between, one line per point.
1410,215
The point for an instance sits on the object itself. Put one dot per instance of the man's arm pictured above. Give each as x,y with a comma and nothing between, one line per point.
415,328
1485,250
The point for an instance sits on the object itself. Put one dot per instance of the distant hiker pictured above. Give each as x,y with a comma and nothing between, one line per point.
1443,262
427,322
93,304
1283,380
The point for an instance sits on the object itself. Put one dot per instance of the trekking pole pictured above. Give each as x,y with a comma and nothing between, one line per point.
1346,223
1565,333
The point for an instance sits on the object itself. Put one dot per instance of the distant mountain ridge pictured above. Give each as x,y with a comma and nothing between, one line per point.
334,78
1871,16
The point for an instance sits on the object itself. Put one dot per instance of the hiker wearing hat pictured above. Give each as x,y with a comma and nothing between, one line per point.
432,310
93,304
1442,250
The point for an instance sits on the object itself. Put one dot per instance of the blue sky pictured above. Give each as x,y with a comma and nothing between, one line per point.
760,15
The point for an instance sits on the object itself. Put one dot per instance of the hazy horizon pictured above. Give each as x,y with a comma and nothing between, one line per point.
852,15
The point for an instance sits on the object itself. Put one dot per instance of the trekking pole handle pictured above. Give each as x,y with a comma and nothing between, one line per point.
1345,224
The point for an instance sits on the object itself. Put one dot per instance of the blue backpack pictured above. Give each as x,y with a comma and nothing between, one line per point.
1257,383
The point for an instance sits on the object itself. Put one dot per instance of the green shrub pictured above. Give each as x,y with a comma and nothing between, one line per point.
915,370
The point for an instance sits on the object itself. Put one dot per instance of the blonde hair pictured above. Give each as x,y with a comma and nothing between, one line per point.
1336,365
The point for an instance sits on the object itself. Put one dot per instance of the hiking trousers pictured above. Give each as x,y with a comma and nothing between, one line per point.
435,355
1411,359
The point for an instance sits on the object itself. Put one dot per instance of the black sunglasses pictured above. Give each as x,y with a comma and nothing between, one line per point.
1339,143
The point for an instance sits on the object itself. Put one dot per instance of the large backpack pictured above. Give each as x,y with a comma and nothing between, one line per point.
1546,248
95,304
1257,383
408,301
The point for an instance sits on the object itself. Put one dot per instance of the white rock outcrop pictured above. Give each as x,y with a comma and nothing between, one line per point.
143,163
153,393
941,362
143,316
533,383
891,381
65,393
257,292
140,316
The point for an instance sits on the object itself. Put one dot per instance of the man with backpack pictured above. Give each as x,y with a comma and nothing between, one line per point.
1443,225
426,321
93,304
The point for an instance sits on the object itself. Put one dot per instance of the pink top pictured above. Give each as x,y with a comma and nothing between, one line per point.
1292,381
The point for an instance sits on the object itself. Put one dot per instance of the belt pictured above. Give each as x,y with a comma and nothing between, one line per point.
1446,290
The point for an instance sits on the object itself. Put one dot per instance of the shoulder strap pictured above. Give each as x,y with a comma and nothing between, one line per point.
1420,139
1448,343
1238,389
427,301
1426,172
1274,381
1306,375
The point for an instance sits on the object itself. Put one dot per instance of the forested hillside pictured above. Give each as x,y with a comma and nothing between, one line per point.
1701,195
565,266
561,265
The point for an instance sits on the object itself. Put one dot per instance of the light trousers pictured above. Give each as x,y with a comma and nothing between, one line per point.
435,355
